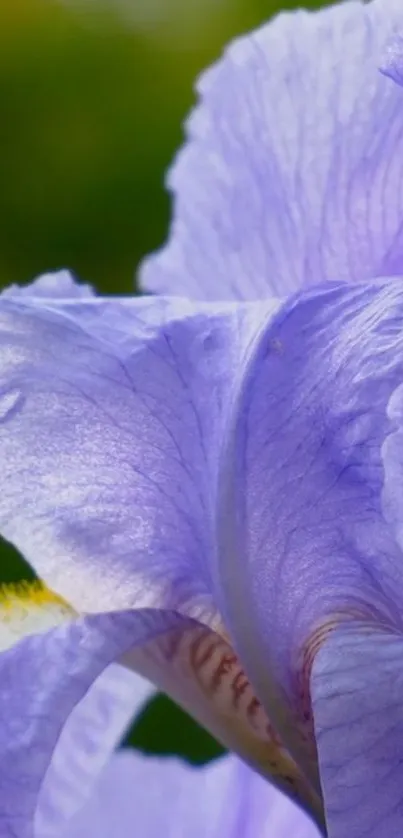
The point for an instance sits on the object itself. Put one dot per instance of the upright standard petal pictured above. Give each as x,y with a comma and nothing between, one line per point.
305,539
111,416
155,797
292,173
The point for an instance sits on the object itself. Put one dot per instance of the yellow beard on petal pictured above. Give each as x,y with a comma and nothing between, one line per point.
29,608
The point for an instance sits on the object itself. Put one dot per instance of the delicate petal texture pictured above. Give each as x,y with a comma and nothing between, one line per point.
293,172
50,747
392,64
91,734
357,697
304,538
111,416
151,798
95,725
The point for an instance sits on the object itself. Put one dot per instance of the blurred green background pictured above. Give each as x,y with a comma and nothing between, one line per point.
92,98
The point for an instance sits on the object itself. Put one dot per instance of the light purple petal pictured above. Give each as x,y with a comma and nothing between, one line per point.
357,696
304,538
153,798
46,736
111,416
93,730
293,169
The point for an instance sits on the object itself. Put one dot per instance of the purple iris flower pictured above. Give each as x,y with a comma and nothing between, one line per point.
209,479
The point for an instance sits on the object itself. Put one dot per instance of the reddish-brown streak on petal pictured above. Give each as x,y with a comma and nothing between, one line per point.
224,667
198,667
239,685
367,617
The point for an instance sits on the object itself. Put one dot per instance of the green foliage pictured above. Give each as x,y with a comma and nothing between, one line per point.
163,728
